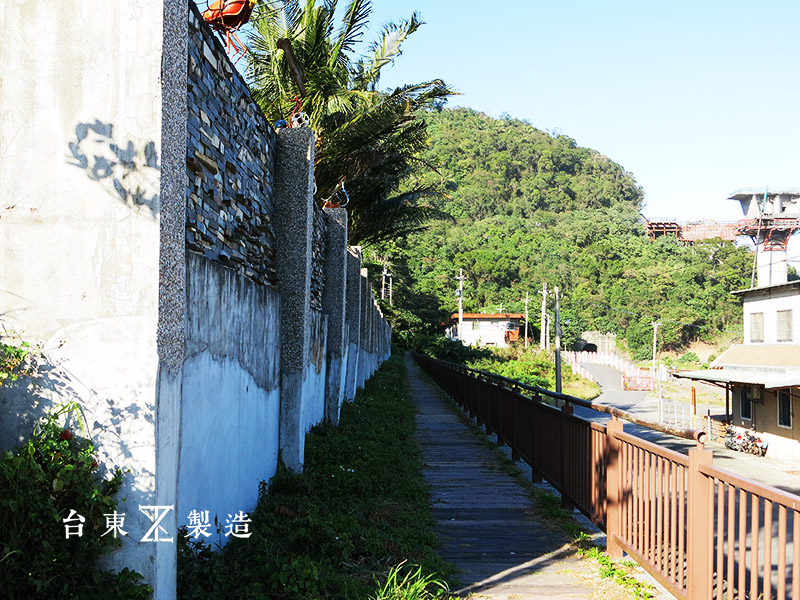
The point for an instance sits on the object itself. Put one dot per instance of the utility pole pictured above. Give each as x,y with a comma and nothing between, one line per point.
558,343
655,325
544,337
526,319
460,295
546,332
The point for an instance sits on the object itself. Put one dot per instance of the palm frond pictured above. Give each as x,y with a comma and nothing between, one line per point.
372,139
352,28
387,48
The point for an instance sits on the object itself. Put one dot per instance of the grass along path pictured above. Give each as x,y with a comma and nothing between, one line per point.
355,524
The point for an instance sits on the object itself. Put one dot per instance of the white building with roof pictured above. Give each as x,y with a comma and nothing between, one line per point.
479,329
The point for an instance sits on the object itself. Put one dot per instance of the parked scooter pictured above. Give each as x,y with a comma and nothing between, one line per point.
745,441
734,440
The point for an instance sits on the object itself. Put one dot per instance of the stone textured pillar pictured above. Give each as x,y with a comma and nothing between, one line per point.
334,305
353,319
363,338
172,283
294,228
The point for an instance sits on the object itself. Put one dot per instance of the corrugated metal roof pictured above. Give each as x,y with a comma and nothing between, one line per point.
768,379
760,355
768,365
767,288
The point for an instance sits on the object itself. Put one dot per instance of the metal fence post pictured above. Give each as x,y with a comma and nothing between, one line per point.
564,463
514,427
531,427
613,487
700,492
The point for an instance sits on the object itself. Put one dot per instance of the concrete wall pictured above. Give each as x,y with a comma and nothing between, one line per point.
353,319
335,306
185,289
231,397
80,197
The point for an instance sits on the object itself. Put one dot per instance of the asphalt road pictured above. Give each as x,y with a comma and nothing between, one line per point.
781,474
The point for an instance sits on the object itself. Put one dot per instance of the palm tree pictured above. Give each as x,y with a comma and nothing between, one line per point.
368,138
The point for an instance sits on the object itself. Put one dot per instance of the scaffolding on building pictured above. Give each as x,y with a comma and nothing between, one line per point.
692,231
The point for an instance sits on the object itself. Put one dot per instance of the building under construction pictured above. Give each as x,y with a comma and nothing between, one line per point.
770,220
691,232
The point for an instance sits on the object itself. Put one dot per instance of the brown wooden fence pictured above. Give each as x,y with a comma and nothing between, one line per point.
703,532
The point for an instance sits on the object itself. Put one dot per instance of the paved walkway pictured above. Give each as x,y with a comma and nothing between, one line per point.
486,524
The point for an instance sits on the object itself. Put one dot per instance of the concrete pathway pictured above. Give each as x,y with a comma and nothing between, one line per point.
485,519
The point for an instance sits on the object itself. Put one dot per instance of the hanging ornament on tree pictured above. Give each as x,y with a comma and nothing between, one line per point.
339,198
298,118
227,17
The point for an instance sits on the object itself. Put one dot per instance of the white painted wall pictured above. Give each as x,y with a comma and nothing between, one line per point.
351,377
772,267
769,302
79,234
229,438
230,396
314,381
489,332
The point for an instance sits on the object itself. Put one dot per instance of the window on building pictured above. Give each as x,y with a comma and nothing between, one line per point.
746,405
784,326
476,325
785,409
756,327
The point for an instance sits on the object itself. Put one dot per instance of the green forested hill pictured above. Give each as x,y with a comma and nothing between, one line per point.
530,207
507,167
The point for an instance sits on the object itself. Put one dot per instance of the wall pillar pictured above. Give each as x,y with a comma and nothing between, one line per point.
353,319
363,338
334,305
294,228
172,285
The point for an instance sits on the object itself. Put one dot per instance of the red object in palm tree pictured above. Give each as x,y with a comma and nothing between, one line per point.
227,16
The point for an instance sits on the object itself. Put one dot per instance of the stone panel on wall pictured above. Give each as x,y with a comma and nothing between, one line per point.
230,159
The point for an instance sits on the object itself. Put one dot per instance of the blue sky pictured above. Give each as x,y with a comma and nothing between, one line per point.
696,99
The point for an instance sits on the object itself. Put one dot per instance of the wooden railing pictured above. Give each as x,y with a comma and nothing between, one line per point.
701,531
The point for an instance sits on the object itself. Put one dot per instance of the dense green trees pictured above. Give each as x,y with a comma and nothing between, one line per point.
532,207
